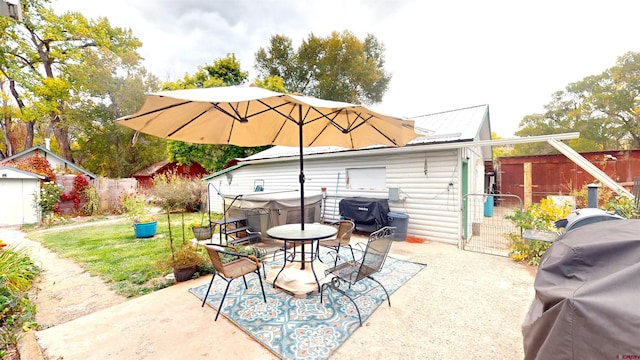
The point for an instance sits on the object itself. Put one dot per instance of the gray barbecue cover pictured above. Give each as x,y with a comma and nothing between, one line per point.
587,303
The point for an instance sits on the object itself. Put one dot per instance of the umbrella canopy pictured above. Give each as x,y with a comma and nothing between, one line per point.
252,116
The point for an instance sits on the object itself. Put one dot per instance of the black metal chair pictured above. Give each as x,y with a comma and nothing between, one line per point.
243,265
372,261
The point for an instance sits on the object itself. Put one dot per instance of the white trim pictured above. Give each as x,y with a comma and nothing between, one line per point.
423,147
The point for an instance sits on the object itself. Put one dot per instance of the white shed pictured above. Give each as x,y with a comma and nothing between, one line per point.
427,179
18,190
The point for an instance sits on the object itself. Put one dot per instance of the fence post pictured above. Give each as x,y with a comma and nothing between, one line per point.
592,195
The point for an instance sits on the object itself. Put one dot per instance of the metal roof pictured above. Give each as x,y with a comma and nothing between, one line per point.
455,125
223,171
448,126
152,169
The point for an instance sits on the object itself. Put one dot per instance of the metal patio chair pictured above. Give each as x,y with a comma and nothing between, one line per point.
342,239
243,265
267,246
372,261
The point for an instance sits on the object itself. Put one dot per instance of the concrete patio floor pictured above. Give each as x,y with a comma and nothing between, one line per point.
462,304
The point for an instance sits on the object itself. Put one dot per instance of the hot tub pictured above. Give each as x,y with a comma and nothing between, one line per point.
264,210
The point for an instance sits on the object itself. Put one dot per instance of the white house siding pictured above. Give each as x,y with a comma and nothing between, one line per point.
422,176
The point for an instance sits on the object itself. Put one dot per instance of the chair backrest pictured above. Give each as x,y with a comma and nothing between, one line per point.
215,259
376,252
345,229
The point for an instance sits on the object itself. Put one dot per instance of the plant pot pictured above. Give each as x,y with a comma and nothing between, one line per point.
202,233
145,230
184,274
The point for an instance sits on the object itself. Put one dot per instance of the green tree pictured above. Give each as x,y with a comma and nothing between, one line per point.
222,72
273,83
604,108
338,67
42,56
499,151
102,146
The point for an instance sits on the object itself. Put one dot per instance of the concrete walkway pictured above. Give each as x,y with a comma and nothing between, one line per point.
462,305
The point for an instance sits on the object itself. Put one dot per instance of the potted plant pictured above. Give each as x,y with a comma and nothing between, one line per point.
185,261
174,193
145,225
202,230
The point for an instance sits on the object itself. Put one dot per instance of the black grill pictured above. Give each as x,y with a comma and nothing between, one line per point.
368,214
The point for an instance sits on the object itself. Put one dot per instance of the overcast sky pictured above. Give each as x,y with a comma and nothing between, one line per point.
443,55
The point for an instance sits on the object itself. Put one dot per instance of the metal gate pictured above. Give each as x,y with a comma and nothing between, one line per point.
486,229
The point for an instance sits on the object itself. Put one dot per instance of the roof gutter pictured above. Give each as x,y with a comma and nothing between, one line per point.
423,147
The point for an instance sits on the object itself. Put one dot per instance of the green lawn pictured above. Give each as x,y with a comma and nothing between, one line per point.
131,266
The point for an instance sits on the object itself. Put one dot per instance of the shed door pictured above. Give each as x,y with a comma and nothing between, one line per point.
17,201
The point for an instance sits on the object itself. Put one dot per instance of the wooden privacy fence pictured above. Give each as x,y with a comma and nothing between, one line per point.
110,191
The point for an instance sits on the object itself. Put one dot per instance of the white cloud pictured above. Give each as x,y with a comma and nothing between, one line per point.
443,55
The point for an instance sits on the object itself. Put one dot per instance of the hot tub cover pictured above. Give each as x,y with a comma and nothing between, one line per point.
272,200
587,303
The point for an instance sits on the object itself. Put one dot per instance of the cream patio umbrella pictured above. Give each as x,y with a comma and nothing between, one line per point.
252,116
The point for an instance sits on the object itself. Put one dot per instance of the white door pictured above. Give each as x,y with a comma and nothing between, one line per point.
17,201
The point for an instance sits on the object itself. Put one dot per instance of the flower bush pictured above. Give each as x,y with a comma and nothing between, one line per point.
134,206
541,216
47,200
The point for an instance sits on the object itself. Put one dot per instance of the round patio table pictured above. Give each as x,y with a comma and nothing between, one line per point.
292,233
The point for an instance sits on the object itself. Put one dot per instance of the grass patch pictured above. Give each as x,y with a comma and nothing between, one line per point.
111,251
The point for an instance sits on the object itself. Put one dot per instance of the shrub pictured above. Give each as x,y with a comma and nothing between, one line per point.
540,216
47,202
134,205
623,206
17,313
173,192
92,206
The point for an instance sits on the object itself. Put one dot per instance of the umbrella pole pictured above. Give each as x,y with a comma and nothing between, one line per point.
301,176
301,179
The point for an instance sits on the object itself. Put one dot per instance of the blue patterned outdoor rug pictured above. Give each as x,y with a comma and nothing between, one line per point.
304,328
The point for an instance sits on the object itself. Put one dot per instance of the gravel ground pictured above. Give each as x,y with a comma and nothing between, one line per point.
462,305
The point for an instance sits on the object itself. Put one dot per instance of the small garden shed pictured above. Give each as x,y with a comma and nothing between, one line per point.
145,176
18,190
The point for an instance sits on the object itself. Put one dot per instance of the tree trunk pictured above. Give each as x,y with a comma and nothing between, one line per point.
28,141
62,135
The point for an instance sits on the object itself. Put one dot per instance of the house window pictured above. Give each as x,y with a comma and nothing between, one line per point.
374,178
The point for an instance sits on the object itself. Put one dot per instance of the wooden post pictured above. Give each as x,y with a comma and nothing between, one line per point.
528,192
